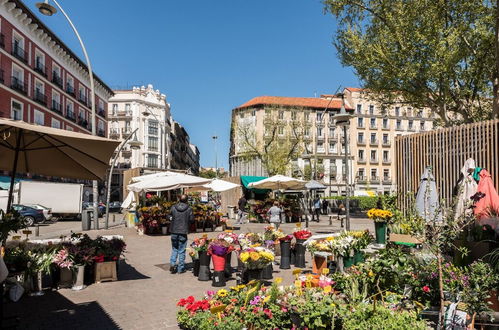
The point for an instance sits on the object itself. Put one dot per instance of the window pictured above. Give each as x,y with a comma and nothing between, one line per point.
39,117
101,105
307,116
56,123
152,161
319,132
128,128
153,128
397,111
371,109
115,109
399,124
127,107
56,101
293,115
386,175
373,122
359,108
421,126
320,146
153,143
18,46
385,123
360,137
409,112
373,155
332,146
360,122
410,125
361,154
16,111
373,138
70,85
374,174
241,115
361,173
319,116
39,62
419,113
253,113
385,138
69,109
386,155
82,94
281,114
280,130
331,132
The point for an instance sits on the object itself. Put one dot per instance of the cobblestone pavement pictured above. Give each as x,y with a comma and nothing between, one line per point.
145,295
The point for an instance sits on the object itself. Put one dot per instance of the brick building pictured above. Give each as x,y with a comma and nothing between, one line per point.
42,81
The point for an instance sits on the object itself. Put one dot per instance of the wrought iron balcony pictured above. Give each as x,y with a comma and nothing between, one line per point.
374,179
56,106
56,79
40,97
19,85
70,115
19,53
70,90
40,68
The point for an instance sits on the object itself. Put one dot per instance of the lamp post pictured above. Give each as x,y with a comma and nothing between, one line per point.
164,157
48,10
135,144
343,119
215,138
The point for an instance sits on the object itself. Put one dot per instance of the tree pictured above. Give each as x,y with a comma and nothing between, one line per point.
279,145
438,54
207,173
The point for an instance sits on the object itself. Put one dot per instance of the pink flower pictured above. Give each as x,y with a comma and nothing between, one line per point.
426,288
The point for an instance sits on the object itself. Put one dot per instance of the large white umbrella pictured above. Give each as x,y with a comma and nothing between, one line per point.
154,176
277,182
170,182
216,185
427,204
465,188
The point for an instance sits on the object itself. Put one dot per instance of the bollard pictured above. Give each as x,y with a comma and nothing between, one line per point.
330,220
37,230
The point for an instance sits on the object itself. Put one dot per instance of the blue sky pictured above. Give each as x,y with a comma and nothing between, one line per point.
208,57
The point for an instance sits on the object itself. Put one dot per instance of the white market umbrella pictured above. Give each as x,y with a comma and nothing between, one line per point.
153,176
427,204
465,188
216,185
314,185
170,182
130,198
278,182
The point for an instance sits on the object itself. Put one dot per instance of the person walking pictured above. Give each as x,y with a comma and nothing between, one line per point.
241,213
317,208
275,215
325,205
182,218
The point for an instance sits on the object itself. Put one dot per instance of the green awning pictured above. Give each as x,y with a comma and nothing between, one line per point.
246,180
5,182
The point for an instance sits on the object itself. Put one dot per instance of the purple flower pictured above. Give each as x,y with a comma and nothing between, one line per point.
210,293
255,300
433,275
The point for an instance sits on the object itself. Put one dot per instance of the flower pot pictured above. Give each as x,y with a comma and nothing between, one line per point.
253,274
204,266
204,258
300,253
292,256
380,230
285,255
358,257
267,272
79,278
218,278
105,271
348,261
228,266
319,263
164,230
195,267
218,263
37,279
65,278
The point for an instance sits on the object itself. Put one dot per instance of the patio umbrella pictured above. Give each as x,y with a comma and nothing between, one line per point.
487,207
27,148
278,182
154,176
427,204
314,185
465,188
216,185
169,182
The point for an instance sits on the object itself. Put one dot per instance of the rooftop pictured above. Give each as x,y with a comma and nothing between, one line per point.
306,102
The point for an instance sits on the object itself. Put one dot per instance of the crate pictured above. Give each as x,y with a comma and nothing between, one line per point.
403,238
105,271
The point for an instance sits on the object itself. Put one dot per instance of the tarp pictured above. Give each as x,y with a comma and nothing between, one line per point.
487,206
427,203
246,180
154,176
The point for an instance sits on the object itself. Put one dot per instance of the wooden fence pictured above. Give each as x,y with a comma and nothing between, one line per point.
446,150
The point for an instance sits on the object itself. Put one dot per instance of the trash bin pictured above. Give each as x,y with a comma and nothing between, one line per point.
86,219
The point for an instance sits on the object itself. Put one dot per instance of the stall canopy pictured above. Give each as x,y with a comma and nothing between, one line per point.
427,204
278,182
314,185
154,176
168,182
216,185
246,180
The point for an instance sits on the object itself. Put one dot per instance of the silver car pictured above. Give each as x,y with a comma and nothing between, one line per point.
47,212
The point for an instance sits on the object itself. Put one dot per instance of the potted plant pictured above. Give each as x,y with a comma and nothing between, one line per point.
200,245
301,236
254,260
380,218
218,249
64,261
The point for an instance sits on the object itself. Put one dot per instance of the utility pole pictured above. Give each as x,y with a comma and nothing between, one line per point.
215,138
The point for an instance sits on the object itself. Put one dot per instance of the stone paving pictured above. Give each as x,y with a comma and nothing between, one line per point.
145,295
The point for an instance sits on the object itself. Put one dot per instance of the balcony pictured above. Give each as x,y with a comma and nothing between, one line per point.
69,89
399,128
374,179
387,180
126,132
361,160
320,137
19,53
361,179
19,85
40,97
114,133
321,150
100,132
360,125
101,113
373,143
83,123
56,79
70,115
386,143
373,161
386,128
40,68
333,139
127,153
82,99
56,106
361,142
125,113
386,161
374,126
411,129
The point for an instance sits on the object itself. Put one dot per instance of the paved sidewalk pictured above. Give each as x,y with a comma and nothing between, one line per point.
145,295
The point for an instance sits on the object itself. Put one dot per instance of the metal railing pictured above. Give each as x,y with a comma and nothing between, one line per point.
70,115
40,68
56,79
40,97
56,106
19,85
70,90
19,53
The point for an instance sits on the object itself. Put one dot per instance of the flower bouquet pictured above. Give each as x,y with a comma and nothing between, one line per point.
381,218
286,238
256,258
219,247
302,234
200,244
230,238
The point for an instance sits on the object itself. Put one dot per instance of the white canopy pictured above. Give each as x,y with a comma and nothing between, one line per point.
130,198
153,176
277,182
168,182
216,185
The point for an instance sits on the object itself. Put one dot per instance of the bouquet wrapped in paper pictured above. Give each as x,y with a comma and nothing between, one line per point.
256,257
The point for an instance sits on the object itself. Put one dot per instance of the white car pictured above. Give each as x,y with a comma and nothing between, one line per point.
47,212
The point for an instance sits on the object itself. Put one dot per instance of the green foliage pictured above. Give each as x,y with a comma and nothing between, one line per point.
366,317
435,54
316,311
481,279
365,202
10,222
208,174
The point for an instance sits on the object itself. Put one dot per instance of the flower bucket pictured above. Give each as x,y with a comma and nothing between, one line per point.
218,263
319,263
65,278
228,266
253,274
195,267
300,253
358,257
285,255
348,262
380,230
79,278
164,230
267,272
204,258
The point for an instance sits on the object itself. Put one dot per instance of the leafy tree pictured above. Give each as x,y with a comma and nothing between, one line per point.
207,173
437,54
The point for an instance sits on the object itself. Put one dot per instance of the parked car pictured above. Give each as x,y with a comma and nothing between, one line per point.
47,212
30,214
115,207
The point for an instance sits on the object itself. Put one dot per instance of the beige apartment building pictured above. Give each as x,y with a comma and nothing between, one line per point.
371,135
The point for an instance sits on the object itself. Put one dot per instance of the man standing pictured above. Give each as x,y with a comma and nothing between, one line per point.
317,208
182,217
242,210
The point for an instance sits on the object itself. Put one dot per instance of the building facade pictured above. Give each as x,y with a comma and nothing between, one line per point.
185,155
370,138
41,80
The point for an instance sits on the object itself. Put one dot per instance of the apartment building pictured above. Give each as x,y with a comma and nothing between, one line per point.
185,155
42,81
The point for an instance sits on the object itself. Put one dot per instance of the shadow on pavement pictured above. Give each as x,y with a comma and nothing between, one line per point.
54,311
128,273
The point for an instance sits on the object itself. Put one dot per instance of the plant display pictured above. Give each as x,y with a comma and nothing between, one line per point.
229,237
379,215
344,244
256,257
10,222
219,247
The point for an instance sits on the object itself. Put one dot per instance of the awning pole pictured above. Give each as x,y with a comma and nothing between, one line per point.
14,169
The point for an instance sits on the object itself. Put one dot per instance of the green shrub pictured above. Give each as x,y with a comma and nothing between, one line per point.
365,202
364,317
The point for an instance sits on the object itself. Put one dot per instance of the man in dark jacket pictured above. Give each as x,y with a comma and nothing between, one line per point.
241,212
182,217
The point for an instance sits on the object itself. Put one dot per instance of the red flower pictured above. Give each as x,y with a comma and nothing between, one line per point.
268,312
426,288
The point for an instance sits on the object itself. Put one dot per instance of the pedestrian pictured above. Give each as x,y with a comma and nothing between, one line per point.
275,214
241,213
341,210
325,205
182,218
317,208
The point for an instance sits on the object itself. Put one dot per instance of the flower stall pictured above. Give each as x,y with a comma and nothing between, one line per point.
206,216
155,219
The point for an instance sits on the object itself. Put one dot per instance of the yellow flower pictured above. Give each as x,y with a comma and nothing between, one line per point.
234,288
371,274
222,293
267,298
278,280
244,256
254,256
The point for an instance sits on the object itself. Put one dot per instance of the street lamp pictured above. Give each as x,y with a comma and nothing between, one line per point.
148,113
135,144
343,119
48,10
215,138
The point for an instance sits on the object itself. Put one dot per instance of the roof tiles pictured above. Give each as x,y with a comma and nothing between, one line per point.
306,102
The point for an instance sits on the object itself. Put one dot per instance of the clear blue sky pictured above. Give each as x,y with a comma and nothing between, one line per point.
208,57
